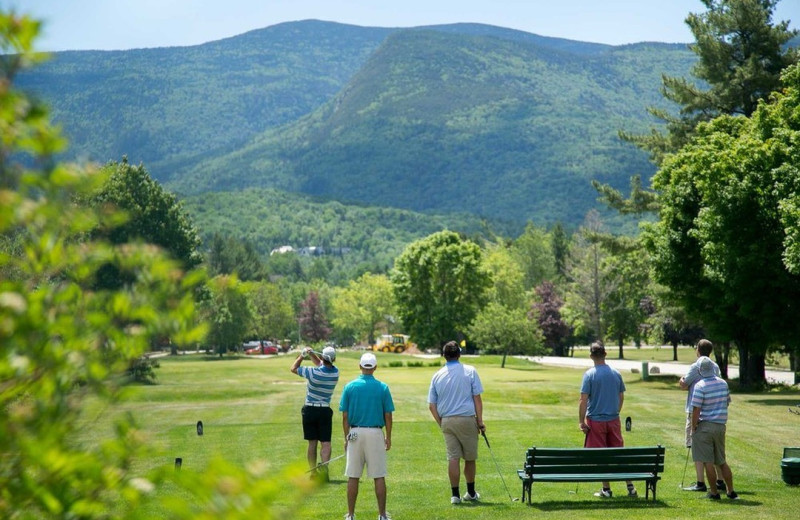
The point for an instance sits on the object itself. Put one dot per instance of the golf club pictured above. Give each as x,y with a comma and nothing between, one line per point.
585,441
685,465
325,463
498,467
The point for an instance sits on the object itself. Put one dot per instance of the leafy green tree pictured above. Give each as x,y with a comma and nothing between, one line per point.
500,329
273,315
623,307
533,250
228,312
153,215
65,343
724,241
363,305
508,287
440,284
312,319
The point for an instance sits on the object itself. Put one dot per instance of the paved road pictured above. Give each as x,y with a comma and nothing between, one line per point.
654,367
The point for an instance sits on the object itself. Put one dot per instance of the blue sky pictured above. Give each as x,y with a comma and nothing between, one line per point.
126,24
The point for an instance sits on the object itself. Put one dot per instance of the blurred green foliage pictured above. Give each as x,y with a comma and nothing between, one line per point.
64,342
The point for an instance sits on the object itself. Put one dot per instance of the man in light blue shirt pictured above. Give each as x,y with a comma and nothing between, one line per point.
602,395
454,400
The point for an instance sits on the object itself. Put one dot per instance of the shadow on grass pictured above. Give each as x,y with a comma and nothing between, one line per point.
558,505
778,402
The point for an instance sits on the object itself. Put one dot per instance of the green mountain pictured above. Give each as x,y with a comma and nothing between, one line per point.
463,118
441,121
176,106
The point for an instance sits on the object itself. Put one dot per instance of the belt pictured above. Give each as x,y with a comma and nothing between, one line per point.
317,405
353,426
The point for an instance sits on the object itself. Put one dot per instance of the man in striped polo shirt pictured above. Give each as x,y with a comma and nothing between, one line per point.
316,412
710,399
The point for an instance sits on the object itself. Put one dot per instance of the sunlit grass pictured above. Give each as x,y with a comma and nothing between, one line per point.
250,409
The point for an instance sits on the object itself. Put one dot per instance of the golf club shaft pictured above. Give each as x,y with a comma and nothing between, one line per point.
685,464
325,463
496,465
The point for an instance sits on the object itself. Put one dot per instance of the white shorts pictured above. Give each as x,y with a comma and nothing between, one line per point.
368,447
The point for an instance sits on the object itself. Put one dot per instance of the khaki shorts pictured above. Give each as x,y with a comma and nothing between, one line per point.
709,443
460,437
368,447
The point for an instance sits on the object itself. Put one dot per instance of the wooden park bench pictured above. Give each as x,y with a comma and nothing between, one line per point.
592,465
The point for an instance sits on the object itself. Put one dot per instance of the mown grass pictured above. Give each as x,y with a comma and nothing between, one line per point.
250,411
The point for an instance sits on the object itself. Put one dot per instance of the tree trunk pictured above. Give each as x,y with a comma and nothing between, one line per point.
752,367
674,351
620,342
721,355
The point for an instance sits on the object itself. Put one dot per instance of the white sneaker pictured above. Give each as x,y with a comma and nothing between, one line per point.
349,517
604,494
469,498
455,500
381,517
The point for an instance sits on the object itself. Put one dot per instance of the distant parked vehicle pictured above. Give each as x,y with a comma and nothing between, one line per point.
259,348
391,343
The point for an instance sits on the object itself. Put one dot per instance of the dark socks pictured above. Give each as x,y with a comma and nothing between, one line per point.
456,492
471,488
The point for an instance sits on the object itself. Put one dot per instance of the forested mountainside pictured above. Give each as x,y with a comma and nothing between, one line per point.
456,118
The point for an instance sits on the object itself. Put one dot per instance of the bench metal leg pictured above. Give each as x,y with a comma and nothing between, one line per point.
526,489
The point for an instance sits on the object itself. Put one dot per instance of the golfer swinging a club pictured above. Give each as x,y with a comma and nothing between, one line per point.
316,412
454,399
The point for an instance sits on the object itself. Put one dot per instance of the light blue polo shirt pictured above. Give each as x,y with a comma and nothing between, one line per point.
452,389
603,384
366,400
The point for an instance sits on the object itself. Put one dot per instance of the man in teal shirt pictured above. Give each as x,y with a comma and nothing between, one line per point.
366,407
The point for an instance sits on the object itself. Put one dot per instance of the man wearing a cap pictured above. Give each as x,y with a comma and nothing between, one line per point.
454,400
703,350
602,395
710,400
316,412
366,407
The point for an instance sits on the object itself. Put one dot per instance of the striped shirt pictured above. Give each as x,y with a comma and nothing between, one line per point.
321,382
712,397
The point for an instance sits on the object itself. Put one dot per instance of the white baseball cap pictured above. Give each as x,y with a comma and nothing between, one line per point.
368,360
329,354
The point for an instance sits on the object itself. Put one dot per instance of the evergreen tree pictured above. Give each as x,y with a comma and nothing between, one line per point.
741,54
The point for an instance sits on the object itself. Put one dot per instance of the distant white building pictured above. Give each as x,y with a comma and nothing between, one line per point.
281,250
310,251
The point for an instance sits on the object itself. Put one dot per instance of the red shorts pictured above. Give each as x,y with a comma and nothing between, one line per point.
604,434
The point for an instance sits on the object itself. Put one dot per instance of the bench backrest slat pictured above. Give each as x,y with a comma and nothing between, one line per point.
594,460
